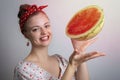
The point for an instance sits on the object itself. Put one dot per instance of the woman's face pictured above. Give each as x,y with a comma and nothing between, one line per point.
39,30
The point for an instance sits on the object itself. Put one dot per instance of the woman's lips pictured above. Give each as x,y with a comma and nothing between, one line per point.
44,38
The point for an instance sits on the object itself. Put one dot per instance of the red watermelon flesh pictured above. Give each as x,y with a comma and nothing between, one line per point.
83,21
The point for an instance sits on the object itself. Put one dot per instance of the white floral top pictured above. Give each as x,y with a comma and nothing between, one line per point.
29,71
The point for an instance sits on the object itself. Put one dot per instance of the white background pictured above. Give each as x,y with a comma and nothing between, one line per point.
13,45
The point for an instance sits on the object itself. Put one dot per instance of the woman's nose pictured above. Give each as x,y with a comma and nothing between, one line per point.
43,30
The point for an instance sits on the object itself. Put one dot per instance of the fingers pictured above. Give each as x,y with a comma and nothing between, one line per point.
88,42
82,45
74,43
92,55
76,58
92,40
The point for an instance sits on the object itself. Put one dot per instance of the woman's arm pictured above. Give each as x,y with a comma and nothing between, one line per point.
82,72
77,61
69,72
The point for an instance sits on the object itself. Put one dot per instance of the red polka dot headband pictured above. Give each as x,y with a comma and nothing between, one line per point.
29,11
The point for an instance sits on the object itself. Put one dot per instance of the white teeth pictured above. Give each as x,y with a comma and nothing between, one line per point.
44,38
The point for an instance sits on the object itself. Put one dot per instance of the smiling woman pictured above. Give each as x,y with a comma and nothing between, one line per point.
38,65
38,30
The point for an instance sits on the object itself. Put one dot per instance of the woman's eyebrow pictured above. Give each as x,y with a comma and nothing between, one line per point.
47,23
39,26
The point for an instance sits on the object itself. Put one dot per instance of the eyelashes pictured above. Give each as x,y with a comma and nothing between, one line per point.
46,26
39,28
34,30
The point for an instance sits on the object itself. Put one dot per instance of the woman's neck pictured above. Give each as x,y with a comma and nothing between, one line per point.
39,53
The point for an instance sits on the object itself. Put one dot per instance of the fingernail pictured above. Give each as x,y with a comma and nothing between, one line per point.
103,54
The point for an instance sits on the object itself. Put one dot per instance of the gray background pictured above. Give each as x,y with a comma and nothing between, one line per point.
13,45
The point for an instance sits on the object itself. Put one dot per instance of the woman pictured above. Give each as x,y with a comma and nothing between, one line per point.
38,65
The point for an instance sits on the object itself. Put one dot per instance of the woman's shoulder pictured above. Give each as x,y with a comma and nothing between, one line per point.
24,67
60,57
62,60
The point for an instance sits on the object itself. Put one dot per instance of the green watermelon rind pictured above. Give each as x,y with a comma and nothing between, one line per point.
91,32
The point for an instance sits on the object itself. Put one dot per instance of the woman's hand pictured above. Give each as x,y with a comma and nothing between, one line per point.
82,45
79,56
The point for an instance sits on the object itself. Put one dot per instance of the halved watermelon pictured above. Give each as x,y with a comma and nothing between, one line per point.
86,23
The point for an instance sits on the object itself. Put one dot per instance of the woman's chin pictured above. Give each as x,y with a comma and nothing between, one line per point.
44,44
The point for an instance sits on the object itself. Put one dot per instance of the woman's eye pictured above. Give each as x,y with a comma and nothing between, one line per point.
34,30
46,26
